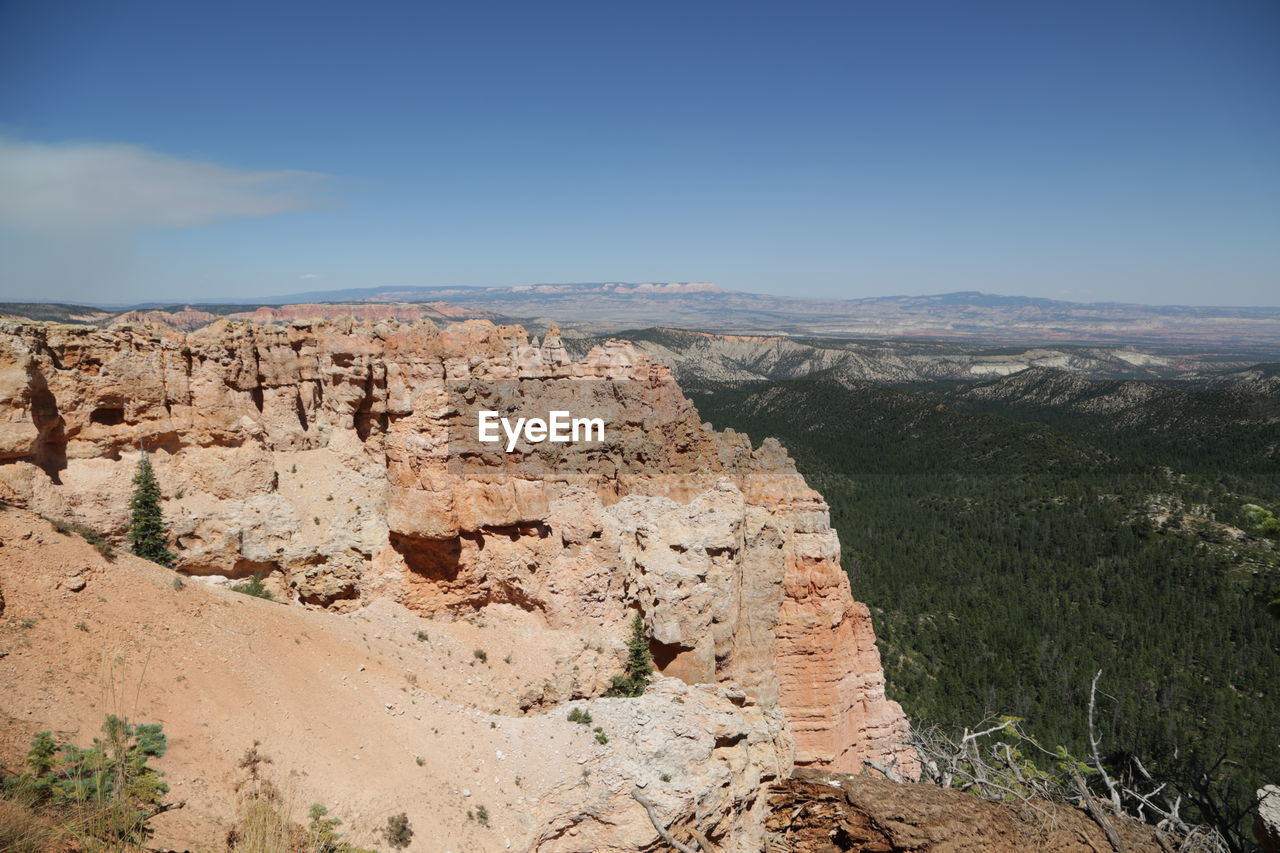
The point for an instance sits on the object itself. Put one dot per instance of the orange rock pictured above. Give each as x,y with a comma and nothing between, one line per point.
340,458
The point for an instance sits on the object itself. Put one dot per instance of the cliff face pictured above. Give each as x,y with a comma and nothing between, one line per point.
339,459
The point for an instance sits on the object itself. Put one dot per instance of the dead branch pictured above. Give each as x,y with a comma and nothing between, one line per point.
887,772
1094,743
975,735
701,839
1099,817
653,818
164,807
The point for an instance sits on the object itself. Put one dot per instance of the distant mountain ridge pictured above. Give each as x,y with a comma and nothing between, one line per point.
962,315
704,359
966,316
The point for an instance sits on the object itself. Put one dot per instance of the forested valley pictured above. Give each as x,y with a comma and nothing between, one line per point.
1010,548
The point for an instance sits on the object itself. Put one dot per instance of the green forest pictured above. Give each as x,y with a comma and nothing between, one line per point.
1009,553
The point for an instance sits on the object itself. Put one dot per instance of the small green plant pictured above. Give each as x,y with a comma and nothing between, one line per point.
601,737
422,636
316,519
322,831
420,761
507,659
398,833
148,535
293,469
639,663
88,534
665,777
578,715
81,626
329,498
254,587
178,583
482,816
481,655
111,778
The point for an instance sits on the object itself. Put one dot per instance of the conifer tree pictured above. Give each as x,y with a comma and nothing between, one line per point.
639,663
148,535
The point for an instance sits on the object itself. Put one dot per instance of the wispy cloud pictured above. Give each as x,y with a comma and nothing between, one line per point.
68,212
118,187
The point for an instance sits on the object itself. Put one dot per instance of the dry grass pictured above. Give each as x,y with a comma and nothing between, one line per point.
82,828
263,826
24,830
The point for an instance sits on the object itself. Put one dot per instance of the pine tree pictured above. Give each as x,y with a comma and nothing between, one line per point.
148,536
639,663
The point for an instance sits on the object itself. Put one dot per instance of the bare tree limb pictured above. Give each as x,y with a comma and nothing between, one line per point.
887,772
1099,817
701,839
1095,742
164,807
653,818
975,735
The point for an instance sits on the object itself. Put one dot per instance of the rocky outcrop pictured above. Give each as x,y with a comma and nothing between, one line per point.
340,460
1266,820
188,319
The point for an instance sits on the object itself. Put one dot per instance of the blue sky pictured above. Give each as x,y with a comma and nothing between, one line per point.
1082,150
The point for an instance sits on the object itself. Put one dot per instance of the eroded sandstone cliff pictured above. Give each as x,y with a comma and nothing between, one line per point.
334,458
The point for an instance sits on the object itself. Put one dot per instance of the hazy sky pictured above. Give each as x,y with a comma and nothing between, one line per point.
1084,150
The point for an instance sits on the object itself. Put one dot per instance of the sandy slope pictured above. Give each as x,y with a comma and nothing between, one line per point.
345,705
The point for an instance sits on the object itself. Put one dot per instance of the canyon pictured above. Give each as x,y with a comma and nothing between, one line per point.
337,460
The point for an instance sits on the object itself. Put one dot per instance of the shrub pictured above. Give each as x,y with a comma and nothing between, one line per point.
578,715
88,534
255,587
482,816
108,789
398,832
481,655
639,663
1265,522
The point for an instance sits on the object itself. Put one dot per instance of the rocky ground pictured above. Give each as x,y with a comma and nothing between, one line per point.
369,713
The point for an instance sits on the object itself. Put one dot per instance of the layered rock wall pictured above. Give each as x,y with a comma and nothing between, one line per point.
338,459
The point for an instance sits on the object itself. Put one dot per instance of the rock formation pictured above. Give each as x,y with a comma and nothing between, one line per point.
339,459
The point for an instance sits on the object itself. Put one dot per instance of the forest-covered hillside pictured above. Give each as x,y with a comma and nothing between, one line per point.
1010,548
